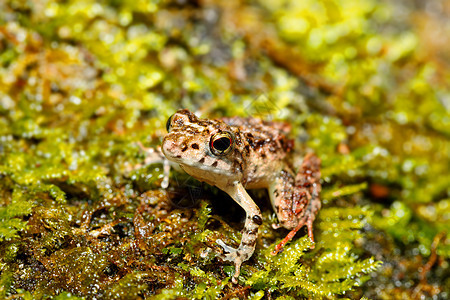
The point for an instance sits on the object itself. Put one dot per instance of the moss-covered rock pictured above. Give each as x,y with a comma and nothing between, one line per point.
84,83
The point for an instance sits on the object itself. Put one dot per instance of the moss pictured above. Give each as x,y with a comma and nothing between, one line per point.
11,215
83,83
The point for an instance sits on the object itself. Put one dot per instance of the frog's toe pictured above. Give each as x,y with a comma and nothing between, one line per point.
276,226
231,255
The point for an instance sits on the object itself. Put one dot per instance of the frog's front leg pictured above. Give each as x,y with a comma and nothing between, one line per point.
250,232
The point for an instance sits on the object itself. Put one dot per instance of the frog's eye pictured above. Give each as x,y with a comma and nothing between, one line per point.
221,143
169,121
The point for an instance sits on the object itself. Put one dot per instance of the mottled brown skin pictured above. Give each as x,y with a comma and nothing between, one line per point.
236,154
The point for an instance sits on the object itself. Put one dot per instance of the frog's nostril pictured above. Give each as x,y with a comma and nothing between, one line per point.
166,146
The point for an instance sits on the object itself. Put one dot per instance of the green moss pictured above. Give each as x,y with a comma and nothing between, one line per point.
83,82
6,282
130,286
10,215
64,296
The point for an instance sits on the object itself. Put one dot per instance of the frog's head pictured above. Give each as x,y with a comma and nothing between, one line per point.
204,148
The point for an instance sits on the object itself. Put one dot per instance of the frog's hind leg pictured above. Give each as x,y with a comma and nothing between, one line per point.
304,200
285,201
308,180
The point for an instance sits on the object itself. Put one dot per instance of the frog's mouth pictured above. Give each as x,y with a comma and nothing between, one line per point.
199,164
204,170
208,174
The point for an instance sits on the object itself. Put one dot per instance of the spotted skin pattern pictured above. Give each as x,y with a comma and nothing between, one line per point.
236,154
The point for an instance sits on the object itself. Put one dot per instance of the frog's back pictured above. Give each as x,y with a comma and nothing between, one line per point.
262,136
264,146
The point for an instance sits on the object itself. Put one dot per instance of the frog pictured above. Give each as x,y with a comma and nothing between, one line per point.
236,154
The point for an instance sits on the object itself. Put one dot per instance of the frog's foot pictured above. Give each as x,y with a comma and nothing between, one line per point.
307,219
236,256
290,236
276,226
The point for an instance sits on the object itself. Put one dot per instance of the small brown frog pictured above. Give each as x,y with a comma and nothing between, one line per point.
236,154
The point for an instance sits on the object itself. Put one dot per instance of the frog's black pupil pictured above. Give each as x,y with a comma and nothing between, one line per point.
168,123
222,144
